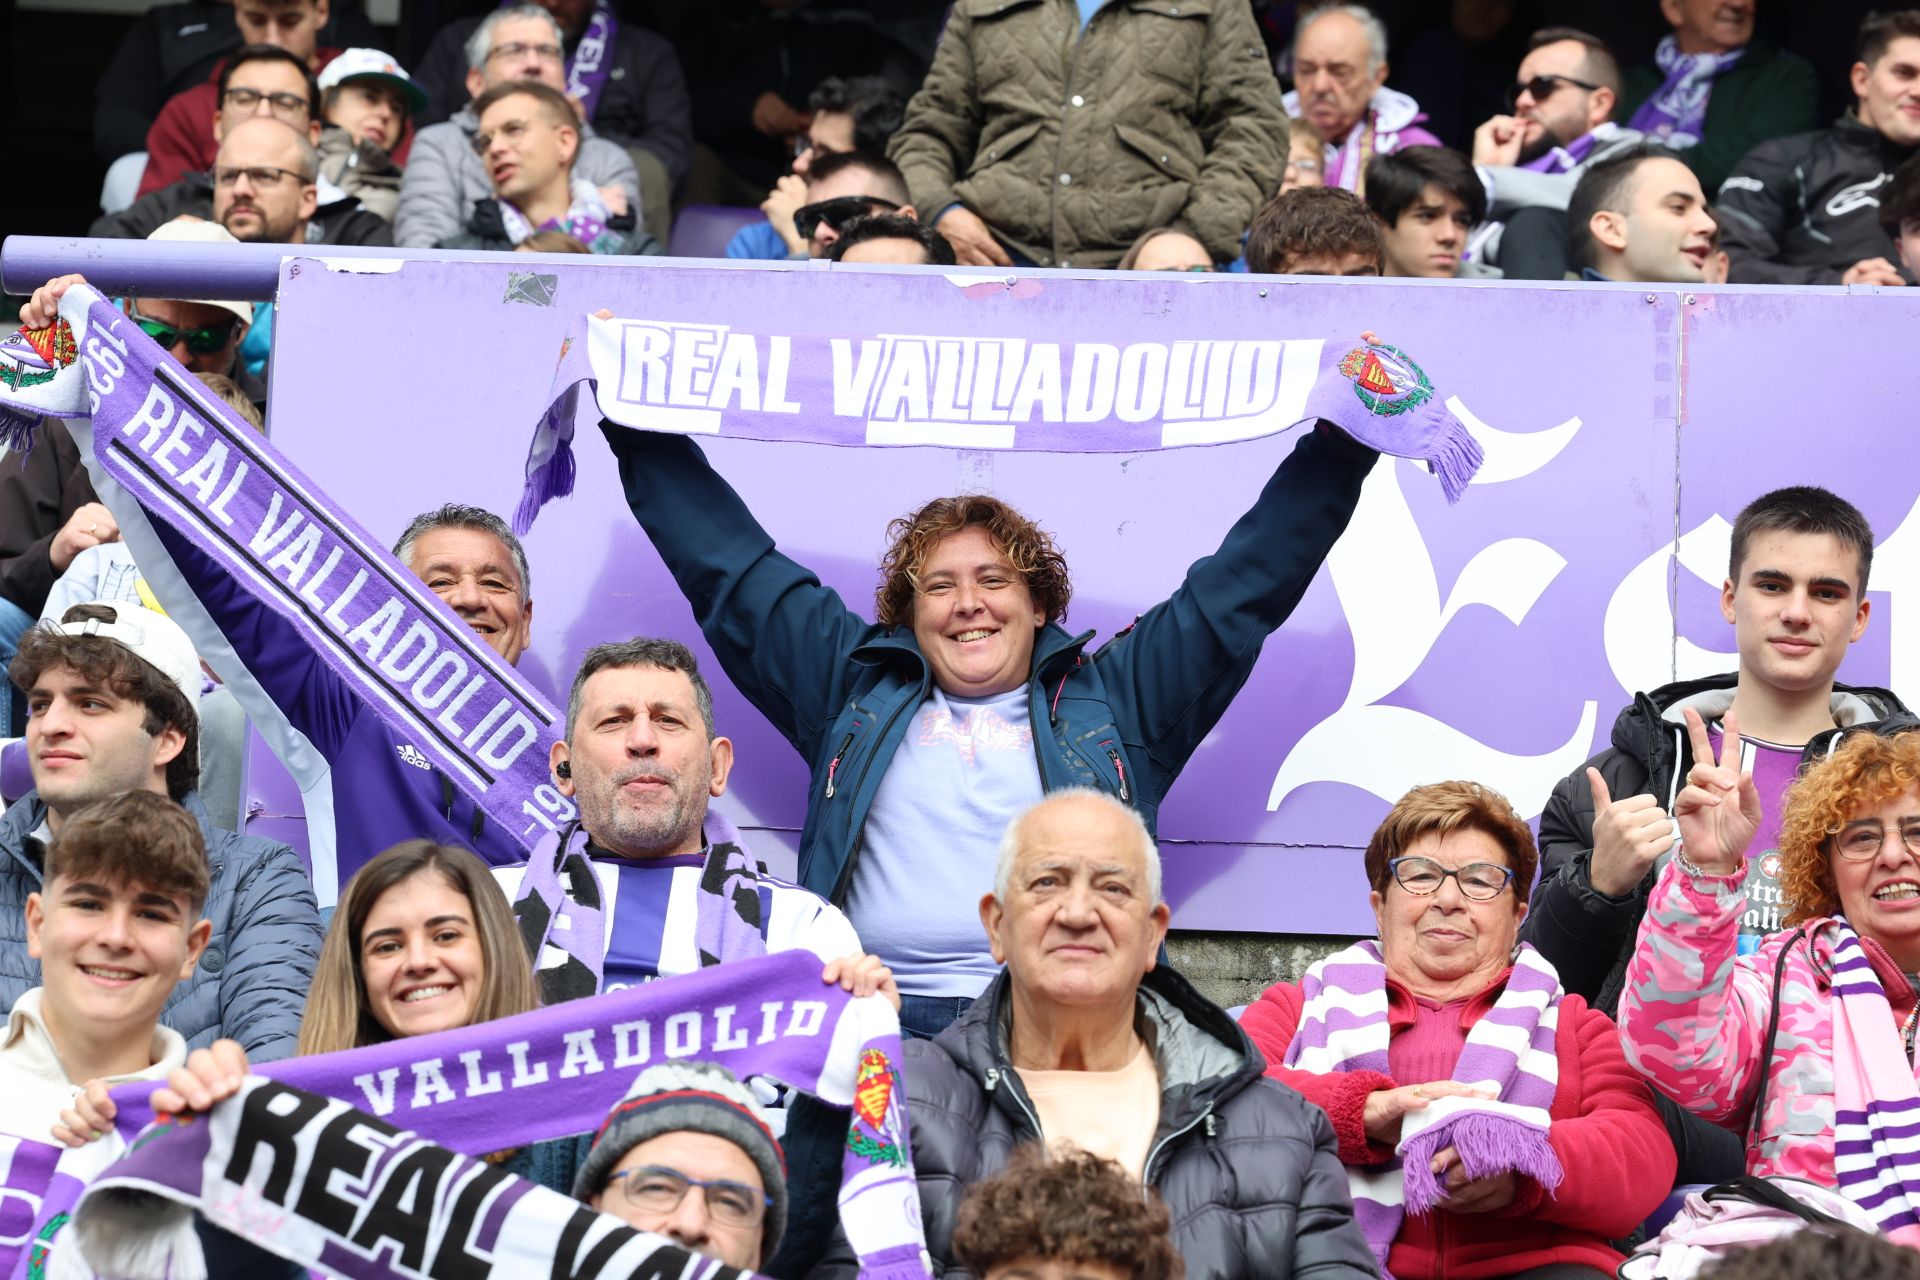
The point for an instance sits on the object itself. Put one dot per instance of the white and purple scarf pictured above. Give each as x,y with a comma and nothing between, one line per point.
1570,157
169,457
1876,1111
585,220
1344,1027
347,1162
560,906
1676,113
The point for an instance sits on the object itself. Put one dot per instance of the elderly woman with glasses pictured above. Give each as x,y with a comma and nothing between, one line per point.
1807,1045
1488,1123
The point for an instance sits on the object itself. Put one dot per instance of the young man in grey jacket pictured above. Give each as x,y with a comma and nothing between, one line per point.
112,695
444,178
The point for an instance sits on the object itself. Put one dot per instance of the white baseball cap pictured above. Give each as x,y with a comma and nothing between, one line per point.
372,64
200,231
152,636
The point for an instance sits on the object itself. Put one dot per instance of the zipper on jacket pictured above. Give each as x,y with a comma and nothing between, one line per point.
833,765
1183,1130
1119,767
993,1082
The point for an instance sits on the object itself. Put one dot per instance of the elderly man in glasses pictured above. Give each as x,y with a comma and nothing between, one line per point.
1560,122
842,189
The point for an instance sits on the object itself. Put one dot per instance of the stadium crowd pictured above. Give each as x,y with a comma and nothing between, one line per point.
1549,1034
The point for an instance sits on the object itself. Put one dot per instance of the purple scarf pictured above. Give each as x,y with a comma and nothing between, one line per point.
834,386
1676,113
585,220
1344,1027
164,451
1566,159
548,1074
560,907
592,60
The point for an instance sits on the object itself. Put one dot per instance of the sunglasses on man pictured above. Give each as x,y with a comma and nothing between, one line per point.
838,213
1543,87
200,342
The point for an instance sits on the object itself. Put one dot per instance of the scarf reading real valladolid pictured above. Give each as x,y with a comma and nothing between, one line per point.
363,1164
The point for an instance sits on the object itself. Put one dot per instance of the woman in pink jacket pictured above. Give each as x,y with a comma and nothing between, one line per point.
1835,1100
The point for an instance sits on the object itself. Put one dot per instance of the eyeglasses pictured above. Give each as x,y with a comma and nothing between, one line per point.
1859,841
1542,87
201,342
656,1189
512,131
520,49
837,213
281,104
1422,877
264,177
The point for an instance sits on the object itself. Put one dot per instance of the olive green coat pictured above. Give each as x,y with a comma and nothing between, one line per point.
1069,143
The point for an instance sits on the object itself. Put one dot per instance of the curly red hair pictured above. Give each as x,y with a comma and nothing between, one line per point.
1027,547
1864,771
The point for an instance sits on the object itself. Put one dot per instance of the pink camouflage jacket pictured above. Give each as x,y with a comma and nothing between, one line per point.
1693,1020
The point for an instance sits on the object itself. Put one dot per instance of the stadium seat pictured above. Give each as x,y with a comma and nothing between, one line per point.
702,230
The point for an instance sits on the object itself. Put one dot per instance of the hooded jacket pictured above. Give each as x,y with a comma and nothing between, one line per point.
1801,210
252,980
1246,1165
1587,935
1070,140
338,219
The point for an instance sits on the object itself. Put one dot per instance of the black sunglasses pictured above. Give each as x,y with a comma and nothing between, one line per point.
200,342
1542,88
837,213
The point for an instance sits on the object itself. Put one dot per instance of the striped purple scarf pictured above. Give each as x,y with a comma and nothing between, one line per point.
1343,1027
1876,1106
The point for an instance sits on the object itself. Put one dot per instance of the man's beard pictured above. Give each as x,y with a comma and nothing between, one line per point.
644,833
261,232
1547,141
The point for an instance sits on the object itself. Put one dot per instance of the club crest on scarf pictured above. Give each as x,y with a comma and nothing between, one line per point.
31,357
1386,379
38,1251
875,1135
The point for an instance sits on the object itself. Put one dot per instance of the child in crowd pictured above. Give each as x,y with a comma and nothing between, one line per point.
367,101
1071,1216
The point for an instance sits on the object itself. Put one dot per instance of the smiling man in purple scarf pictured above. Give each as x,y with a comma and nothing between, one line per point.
1714,90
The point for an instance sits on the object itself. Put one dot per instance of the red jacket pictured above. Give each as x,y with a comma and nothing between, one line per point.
1611,1142
181,139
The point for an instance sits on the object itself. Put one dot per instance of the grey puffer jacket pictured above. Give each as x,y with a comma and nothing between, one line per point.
444,180
1246,1165
252,980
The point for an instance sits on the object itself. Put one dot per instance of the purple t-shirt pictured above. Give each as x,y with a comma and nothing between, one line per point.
640,916
1774,768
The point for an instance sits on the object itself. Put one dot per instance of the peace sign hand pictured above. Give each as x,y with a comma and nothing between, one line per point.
1719,809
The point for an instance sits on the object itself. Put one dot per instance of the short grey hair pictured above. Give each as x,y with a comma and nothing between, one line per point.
1376,31
641,651
455,515
480,43
1010,839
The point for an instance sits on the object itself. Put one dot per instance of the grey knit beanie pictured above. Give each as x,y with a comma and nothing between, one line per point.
699,1097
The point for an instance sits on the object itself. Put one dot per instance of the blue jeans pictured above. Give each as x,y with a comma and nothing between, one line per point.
924,1017
14,623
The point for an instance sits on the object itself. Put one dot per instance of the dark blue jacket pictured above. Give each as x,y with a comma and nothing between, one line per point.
252,980
1123,719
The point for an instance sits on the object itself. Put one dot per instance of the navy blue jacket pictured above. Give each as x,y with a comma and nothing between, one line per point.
1123,719
252,980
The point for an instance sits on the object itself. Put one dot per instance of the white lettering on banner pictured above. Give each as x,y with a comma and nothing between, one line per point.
306,555
586,1051
687,375
1390,594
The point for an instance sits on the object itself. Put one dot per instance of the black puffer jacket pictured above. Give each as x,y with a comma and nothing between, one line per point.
1801,210
1588,936
1246,1165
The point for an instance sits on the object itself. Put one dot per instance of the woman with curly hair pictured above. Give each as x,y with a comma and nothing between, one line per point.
1073,1216
1807,1045
965,700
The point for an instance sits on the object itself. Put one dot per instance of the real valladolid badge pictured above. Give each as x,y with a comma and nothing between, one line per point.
1386,379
